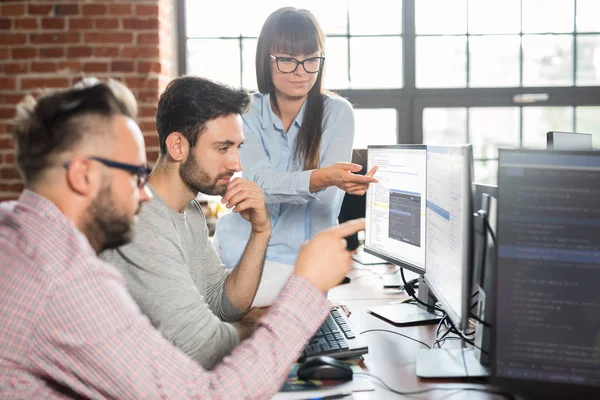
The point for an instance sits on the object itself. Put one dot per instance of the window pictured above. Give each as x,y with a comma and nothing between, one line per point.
491,72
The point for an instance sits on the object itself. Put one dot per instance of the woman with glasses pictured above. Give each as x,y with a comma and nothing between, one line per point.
297,149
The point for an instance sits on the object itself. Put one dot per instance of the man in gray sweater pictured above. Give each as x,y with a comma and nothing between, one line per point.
171,268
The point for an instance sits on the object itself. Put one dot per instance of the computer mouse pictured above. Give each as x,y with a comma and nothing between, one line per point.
324,368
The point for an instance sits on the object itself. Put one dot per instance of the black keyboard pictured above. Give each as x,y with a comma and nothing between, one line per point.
334,338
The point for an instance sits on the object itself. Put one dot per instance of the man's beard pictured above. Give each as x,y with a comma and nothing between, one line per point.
107,228
199,181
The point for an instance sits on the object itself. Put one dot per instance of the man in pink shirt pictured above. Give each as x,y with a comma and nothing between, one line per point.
68,325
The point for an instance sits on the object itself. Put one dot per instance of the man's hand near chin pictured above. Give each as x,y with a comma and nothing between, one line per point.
247,199
246,326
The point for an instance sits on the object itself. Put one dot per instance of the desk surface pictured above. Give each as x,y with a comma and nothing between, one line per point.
391,357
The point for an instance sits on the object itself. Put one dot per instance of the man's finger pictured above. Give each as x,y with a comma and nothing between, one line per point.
348,228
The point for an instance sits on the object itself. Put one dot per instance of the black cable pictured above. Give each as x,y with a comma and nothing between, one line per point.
488,227
476,318
437,388
411,292
397,333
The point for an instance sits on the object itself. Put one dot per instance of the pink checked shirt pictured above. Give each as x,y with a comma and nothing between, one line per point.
68,327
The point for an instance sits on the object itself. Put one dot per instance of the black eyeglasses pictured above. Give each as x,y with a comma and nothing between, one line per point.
140,171
289,65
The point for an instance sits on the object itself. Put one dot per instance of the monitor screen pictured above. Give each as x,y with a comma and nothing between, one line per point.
548,302
568,141
449,228
395,213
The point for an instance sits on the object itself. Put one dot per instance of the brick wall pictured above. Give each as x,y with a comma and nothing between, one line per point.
53,44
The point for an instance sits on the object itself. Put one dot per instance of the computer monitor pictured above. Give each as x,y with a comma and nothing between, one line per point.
569,141
547,318
395,223
448,261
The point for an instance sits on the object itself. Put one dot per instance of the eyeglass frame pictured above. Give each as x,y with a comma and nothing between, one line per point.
140,171
298,63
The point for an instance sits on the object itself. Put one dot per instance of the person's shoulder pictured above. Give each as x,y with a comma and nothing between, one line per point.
335,104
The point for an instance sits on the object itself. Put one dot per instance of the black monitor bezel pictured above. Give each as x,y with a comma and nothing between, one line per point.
531,388
402,264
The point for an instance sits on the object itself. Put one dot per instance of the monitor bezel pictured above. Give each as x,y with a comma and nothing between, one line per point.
550,140
402,264
531,388
467,267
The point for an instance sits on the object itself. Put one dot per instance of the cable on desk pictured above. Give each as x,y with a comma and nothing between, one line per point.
438,388
397,333
411,292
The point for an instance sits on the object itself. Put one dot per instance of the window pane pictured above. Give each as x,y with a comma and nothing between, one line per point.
587,15
494,61
491,128
336,63
547,60
331,14
201,19
493,16
217,59
440,16
374,126
441,62
537,121
486,172
541,17
588,60
375,17
444,126
588,121
376,62
249,64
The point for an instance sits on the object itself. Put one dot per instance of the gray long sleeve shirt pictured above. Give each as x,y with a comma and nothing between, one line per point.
174,274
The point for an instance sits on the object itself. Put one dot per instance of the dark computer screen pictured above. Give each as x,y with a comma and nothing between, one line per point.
547,325
353,206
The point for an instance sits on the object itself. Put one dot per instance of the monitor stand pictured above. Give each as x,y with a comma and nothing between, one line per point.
449,363
410,314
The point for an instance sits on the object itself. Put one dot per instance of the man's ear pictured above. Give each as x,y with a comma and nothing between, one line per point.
177,146
81,177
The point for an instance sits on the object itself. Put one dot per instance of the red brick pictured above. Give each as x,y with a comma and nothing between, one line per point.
151,141
69,66
148,38
147,126
13,38
120,9
113,37
145,67
80,23
79,51
140,52
15,68
138,24
94,67
43,67
7,113
9,173
16,187
94,9
53,23
146,9
12,10
5,24
147,96
9,158
39,9
4,53
52,52
152,156
34,83
8,83
142,83
66,9
10,99
122,66
106,23
45,38
26,23
20,53
147,112
106,52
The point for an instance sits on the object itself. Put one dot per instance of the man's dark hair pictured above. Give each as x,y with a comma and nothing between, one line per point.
56,122
190,101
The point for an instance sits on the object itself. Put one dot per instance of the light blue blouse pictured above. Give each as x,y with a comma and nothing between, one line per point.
268,159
